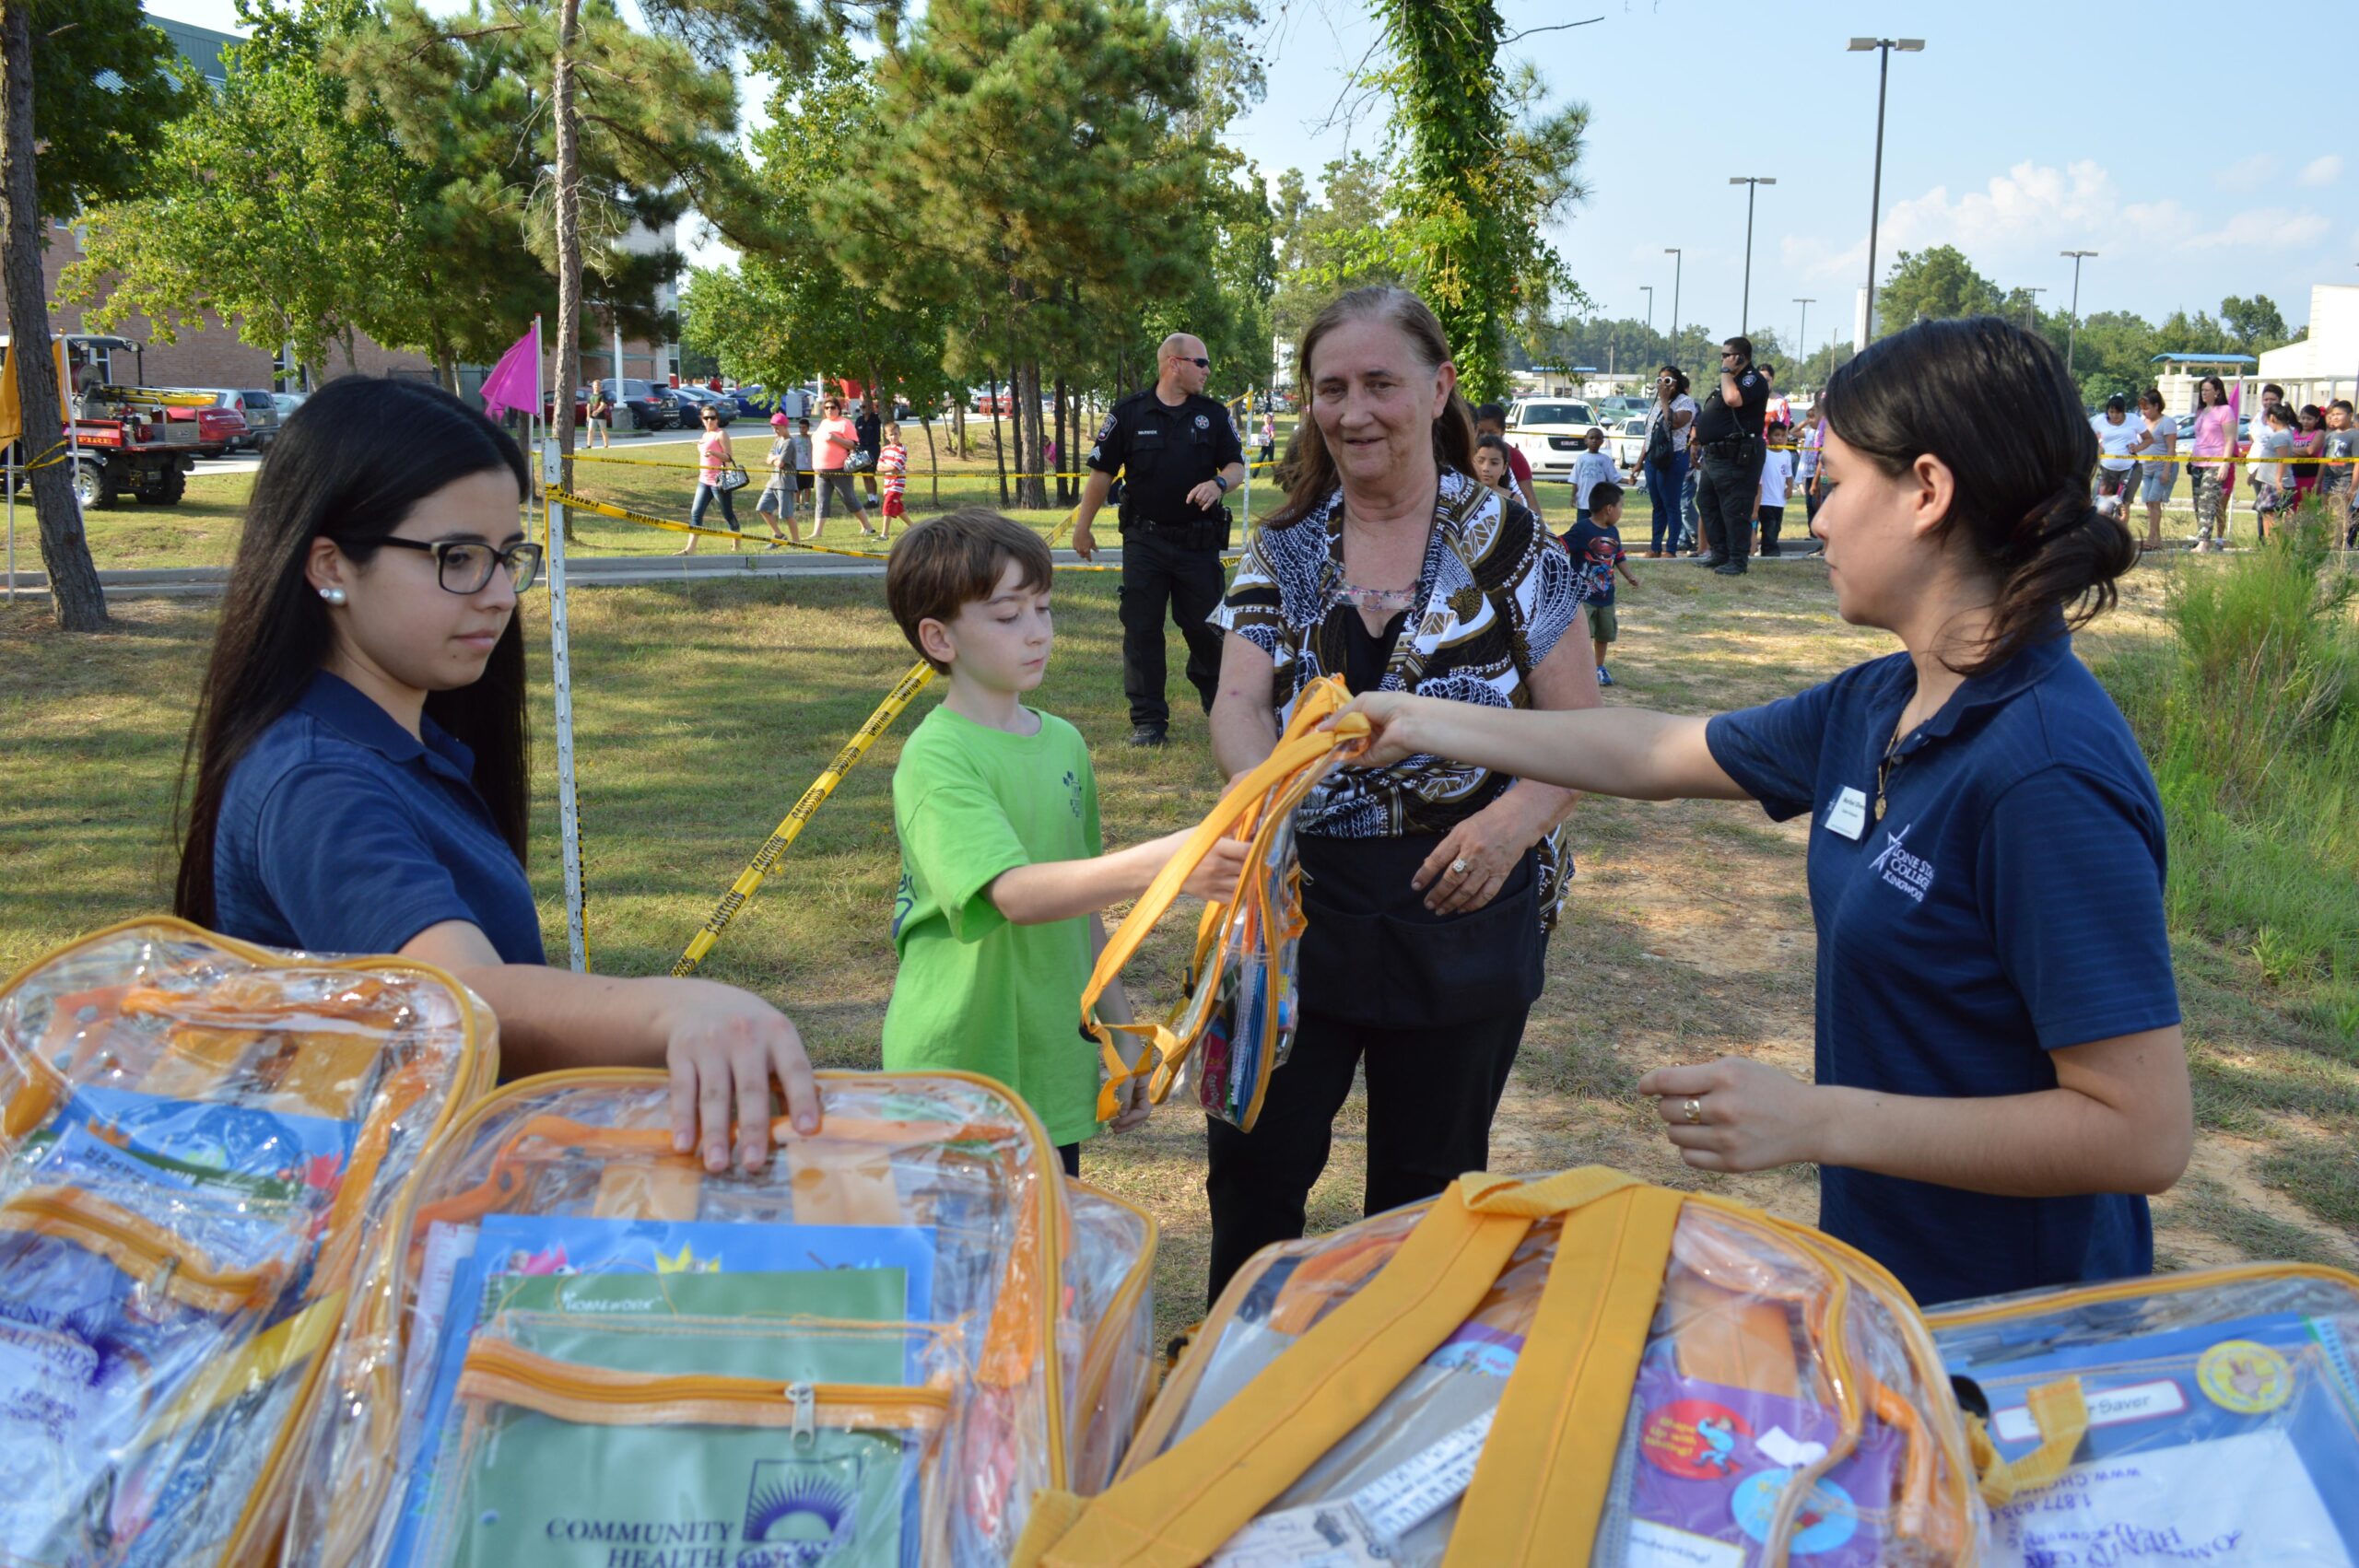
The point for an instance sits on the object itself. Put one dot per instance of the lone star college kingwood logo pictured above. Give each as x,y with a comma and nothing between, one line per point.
1911,874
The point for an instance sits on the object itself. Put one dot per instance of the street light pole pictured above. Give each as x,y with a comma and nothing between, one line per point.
2072,332
1753,183
2035,293
1802,333
1649,289
1677,261
1883,48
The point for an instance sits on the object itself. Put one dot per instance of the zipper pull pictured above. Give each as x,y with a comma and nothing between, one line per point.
805,1400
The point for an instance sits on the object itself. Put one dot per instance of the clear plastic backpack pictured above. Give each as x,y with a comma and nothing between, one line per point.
875,1351
198,1137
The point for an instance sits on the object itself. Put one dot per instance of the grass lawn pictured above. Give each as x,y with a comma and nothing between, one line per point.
705,709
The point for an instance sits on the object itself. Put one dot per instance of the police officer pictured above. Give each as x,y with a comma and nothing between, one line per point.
1728,432
1180,455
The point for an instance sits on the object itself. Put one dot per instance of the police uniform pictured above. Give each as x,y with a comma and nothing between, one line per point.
1729,439
1170,550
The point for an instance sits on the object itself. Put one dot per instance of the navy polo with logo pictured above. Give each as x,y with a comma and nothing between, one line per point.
341,832
2006,901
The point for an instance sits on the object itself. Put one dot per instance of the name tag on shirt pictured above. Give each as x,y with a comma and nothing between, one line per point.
1848,815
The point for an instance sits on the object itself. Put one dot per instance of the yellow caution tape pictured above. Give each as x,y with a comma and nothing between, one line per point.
920,674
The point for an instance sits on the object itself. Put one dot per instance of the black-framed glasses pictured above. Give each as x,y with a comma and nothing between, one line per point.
464,566
1199,364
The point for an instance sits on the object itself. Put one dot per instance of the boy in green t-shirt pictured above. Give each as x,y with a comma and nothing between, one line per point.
1003,872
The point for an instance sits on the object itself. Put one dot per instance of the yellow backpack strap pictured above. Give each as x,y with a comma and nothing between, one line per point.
2061,1413
1303,744
1181,1508
1538,1493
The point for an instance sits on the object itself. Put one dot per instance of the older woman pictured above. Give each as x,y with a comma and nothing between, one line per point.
2000,1076
1428,886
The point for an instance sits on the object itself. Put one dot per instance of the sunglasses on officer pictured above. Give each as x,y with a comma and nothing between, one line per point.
464,566
1199,364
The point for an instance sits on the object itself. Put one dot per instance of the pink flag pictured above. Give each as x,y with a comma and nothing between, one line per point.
512,380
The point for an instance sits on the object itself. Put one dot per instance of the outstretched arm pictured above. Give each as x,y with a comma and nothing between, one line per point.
1604,751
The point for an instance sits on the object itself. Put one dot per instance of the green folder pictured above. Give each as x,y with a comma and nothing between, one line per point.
619,1322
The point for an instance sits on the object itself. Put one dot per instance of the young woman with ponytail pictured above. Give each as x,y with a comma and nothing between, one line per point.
2001,1077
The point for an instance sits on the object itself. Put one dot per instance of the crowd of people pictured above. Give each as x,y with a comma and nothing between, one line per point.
2285,461
2000,1077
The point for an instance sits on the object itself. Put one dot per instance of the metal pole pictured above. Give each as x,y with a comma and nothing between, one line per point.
1802,333
1650,290
1744,307
2072,332
1875,189
568,814
1678,259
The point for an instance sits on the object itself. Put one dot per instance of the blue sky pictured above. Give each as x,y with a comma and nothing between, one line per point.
2194,168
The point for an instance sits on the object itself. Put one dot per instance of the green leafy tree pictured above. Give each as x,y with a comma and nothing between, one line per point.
1483,168
1934,285
1032,168
2256,325
104,88
1340,241
267,205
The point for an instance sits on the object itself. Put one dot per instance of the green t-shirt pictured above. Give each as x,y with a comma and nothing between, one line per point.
975,992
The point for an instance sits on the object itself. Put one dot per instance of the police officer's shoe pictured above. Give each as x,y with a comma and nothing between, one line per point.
1728,569
1714,560
1148,736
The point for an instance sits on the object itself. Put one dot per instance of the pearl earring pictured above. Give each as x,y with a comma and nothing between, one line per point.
332,595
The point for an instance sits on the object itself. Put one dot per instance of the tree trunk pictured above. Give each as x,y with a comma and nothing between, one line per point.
958,426
999,453
1031,491
1063,460
75,600
932,462
446,368
569,239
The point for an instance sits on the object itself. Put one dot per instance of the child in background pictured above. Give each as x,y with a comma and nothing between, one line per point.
893,472
1003,872
1491,467
2339,485
2272,440
1776,483
778,487
1595,545
1592,469
799,460
1813,442
2309,439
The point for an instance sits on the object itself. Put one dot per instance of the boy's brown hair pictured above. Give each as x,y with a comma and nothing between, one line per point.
947,563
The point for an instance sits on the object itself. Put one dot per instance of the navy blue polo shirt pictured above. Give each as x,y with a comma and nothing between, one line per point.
2007,901
340,833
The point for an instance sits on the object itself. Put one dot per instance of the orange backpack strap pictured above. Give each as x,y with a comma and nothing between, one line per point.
1539,1491
1303,744
1182,1506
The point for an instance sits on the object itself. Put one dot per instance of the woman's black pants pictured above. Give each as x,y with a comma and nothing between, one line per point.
1431,1094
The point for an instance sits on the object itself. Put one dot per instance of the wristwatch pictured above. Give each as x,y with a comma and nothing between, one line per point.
1221,480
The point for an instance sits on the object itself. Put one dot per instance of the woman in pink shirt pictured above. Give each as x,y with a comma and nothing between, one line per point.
2216,437
715,458
831,446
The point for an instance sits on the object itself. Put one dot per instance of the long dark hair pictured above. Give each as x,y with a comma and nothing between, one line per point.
1993,403
348,465
1309,472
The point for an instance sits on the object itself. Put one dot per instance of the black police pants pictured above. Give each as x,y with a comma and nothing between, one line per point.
1431,1094
1724,496
1159,576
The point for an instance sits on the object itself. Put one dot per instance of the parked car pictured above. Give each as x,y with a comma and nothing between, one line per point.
287,403
753,400
262,415
1626,440
220,424
644,406
695,399
1549,431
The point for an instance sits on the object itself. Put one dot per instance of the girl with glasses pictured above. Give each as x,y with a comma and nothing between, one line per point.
360,772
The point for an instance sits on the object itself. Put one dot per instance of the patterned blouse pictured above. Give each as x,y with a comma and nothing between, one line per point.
1494,595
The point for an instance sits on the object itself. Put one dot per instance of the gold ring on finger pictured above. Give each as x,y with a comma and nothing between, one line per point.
1693,1111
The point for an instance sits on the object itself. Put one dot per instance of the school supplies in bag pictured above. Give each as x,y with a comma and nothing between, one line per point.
2220,1417
1566,1370
1242,1001
197,1137
873,1351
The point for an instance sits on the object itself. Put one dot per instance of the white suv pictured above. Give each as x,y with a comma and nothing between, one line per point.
1549,431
